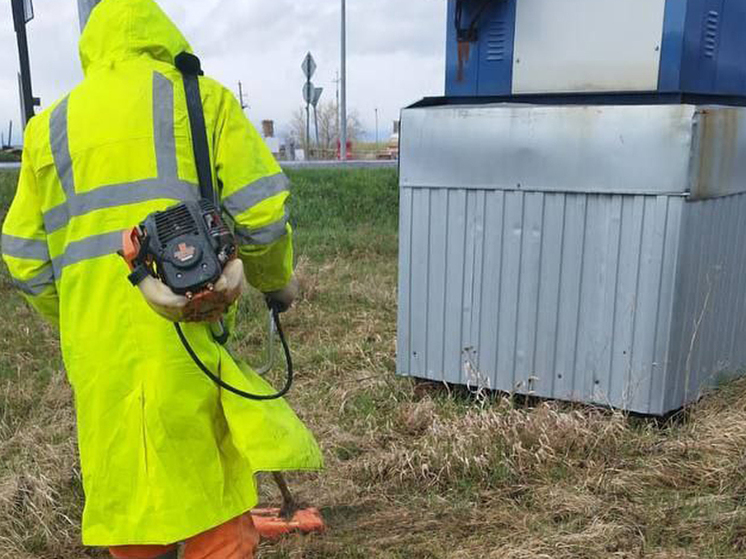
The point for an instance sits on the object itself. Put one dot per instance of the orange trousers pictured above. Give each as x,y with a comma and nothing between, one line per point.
236,539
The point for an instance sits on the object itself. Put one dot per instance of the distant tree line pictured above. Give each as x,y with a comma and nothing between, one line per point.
328,130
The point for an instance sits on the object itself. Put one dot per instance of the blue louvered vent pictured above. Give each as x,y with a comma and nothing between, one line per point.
497,38
712,27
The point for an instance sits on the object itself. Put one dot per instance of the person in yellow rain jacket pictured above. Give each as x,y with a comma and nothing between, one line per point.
166,455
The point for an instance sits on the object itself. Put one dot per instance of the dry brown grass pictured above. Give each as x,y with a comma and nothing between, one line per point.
40,486
429,473
414,471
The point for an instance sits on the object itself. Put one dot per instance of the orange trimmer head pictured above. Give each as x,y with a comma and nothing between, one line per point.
271,524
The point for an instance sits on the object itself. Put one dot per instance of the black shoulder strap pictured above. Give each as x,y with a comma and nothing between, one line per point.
189,66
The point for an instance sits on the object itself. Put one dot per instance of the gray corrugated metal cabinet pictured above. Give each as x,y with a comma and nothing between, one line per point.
590,253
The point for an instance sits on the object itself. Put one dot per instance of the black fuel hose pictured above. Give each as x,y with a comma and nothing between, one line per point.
222,384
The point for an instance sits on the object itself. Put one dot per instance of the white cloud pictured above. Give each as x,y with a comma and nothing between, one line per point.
395,51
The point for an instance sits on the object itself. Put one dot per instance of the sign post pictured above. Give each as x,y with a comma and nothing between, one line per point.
315,101
23,12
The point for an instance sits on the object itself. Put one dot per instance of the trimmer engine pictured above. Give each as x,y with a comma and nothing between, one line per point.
186,247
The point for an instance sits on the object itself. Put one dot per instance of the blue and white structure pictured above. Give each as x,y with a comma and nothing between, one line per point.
530,47
572,211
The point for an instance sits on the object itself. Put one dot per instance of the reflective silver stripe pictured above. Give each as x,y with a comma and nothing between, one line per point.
118,195
58,139
265,235
87,249
163,126
36,285
256,192
166,186
31,249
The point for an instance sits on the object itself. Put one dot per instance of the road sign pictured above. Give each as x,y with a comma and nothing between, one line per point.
309,91
316,96
309,66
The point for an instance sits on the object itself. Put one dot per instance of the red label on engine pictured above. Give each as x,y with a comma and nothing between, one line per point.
185,253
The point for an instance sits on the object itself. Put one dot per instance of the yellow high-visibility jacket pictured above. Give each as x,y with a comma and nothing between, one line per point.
165,454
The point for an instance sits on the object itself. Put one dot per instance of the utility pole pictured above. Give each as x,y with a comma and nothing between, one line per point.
244,106
376,128
343,117
336,107
23,12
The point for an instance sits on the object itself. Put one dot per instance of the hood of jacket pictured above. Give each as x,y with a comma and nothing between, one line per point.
120,30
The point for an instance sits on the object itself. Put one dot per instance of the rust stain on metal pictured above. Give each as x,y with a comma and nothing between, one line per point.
464,51
718,146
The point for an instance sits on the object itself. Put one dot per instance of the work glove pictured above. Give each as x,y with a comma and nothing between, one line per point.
211,306
282,299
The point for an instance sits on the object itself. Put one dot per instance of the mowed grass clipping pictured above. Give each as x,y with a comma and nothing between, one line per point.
414,470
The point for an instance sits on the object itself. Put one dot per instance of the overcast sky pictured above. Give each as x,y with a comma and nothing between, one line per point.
395,52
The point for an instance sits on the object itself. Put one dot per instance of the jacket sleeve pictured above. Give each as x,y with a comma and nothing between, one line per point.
254,192
24,246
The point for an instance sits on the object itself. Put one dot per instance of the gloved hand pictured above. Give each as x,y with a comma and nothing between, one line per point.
282,299
211,306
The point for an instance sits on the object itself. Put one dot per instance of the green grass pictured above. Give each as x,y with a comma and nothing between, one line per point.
8,180
339,213
413,470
